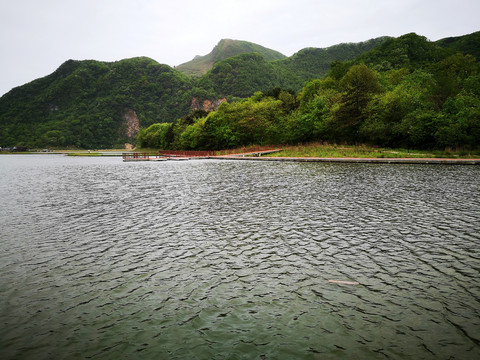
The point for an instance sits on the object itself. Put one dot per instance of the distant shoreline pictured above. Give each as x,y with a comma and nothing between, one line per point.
249,157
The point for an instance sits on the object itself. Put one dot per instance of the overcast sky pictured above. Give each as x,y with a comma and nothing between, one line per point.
37,36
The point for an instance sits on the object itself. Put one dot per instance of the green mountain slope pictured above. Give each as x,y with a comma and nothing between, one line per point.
412,94
407,51
93,104
240,76
466,44
225,49
313,63
244,74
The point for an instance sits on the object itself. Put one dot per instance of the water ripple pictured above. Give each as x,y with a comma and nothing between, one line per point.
211,260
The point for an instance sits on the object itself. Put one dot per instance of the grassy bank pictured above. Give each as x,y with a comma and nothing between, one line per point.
364,151
106,152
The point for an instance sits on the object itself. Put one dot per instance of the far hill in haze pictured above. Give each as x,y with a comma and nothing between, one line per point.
226,48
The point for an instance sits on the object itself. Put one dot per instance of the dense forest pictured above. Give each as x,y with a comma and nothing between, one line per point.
93,104
404,91
407,92
84,103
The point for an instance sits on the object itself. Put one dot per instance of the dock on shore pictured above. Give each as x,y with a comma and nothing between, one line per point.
163,155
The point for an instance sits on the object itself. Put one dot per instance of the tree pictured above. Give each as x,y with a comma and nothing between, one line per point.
451,73
359,85
461,122
393,118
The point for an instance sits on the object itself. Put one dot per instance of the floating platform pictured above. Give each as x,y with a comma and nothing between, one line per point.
153,158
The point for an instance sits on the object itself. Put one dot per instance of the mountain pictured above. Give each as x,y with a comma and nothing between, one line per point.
466,44
406,92
240,76
93,104
409,51
312,63
413,51
244,74
225,49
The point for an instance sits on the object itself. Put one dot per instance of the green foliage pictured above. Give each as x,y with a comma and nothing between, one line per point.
247,73
460,122
241,76
397,108
451,74
408,51
466,44
83,103
155,136
225,49
314,63
358,87
247,122
405,92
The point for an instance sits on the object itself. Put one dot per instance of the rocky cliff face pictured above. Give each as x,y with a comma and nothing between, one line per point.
206,105
132,124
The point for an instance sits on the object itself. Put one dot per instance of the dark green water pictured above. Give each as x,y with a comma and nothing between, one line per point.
101,259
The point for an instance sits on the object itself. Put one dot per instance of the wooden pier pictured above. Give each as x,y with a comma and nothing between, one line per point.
191,154
187,153
164,155
141,157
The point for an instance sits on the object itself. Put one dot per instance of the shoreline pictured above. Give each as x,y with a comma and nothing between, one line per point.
258,157
345,160
444,161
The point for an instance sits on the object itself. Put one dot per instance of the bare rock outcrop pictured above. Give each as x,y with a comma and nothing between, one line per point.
132,124
206,105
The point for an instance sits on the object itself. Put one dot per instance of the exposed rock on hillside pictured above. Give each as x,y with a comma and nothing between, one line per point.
132,124
206,105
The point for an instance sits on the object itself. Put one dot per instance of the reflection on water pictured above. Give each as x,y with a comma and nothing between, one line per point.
215,259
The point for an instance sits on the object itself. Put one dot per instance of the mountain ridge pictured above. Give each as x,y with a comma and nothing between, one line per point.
225,48
88,103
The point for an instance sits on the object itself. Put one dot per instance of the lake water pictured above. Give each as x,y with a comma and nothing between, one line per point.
205,259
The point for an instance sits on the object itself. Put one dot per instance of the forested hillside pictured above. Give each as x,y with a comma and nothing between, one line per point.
408,51
406,91
398,100
314,63
239,68
89,104
467,44
225,49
